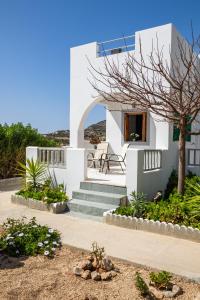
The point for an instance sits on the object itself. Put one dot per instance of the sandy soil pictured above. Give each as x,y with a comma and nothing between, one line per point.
43,278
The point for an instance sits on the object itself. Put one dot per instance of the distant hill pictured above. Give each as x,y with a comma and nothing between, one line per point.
98,129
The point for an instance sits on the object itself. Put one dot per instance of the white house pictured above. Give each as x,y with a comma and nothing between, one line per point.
150,159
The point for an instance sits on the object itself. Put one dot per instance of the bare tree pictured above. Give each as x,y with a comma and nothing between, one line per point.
168,89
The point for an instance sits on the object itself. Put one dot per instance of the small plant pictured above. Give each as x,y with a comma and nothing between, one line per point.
160,280
28,238
134,136
141,285
98,253
95,139
33,172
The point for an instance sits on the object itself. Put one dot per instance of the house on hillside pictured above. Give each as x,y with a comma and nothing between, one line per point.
149,159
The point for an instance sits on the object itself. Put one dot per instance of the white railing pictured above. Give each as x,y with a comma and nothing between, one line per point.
193,157
126,43
53,157
152,160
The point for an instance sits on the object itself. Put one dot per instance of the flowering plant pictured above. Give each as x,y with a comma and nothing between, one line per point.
134,136
28,238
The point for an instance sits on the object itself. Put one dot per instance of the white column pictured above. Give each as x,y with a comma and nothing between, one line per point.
31,153
76,168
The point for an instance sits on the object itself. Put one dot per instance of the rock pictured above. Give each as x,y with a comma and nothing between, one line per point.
107,264
85,265
77,271
94,264
117,270
86,274
158,294
90,297
113,273
90,258
106,276
95,276
176,290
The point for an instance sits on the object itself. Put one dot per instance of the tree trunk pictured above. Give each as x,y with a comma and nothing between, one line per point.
181,161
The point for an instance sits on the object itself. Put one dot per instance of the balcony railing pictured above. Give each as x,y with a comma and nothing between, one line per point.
194,157
53,157
116,46
152,160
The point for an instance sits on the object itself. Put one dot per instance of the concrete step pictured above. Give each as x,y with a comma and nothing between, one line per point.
106,188
89,208
102,197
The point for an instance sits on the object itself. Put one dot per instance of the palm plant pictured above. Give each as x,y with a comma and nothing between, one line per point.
193,201
34,172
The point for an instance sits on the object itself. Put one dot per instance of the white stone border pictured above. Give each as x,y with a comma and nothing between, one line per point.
178,231
55,208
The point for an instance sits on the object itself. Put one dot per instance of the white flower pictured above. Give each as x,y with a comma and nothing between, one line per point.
9,238
46,242
20,234
17,251
34,226
55,243
51,230
40,244
53,249
11,243
48,235
46,253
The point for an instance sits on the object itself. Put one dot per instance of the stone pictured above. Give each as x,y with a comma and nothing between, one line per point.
106,276
95,276
176,290
158,294
85,264
94,264
90,297
86,274
107,264
113,273
77,271
90,258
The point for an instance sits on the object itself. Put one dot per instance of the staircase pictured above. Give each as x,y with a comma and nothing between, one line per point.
94,198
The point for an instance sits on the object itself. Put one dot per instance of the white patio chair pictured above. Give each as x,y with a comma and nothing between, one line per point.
96,157
116,158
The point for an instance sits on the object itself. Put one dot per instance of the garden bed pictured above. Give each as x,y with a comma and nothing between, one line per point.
175,230
42,278
56,208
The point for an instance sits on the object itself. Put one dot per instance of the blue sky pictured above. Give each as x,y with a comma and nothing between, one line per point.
35,39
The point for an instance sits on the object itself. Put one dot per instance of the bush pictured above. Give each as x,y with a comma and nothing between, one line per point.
177,209
136,206
160,280
13,142
37,186
28,238
45,193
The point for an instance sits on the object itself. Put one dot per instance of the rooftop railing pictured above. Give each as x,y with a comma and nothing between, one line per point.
115,46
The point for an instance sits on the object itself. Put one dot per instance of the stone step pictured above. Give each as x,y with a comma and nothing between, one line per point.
102,197
106,188
89,208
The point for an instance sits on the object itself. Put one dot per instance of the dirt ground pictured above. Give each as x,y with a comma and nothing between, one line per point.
43,278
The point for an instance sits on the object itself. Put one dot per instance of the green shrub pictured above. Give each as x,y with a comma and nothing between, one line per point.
135,208
28,238
13,142
141,285
161,280
46,193
171,185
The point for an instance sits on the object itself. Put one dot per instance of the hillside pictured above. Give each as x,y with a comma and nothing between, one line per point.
98,129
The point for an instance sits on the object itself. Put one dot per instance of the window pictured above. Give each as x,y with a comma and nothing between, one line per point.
135,126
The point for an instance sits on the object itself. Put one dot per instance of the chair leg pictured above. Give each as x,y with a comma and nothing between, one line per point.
94,165
121,167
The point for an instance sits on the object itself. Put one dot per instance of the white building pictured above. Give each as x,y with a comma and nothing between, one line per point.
150,160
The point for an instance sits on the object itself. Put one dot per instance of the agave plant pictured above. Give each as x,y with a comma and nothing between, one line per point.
193,201
34,172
